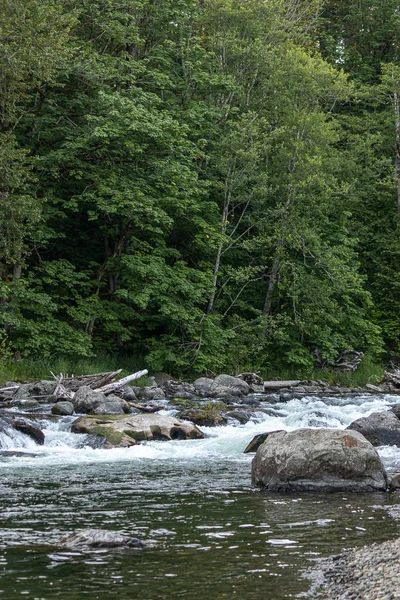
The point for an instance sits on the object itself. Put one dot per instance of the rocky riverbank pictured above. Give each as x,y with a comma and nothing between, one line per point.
369,573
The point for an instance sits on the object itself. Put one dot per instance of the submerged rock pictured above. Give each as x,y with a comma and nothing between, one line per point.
318,460
99,538
127,431
380,428
34,432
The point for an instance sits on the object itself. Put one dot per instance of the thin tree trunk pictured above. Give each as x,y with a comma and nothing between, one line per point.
397,146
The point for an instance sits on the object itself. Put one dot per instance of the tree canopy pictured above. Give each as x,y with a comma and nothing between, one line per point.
204,184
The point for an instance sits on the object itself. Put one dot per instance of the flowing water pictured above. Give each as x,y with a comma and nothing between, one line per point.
213,534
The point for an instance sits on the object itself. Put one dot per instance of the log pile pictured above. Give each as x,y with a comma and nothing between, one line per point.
348,360
65,387
391,381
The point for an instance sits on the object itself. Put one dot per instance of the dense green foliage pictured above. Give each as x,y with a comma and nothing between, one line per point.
199,184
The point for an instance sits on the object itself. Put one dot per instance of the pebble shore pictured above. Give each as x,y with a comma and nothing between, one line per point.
369,573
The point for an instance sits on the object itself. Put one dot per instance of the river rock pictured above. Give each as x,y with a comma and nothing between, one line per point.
256,442
24,427
226,385
395,481
178,389
99,538
41,388
150,393
127,430
128,394
202,386
205,417
64,407
318,460
91,402
242,416
396,410
381,428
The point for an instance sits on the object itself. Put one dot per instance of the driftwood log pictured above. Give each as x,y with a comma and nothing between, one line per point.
348,360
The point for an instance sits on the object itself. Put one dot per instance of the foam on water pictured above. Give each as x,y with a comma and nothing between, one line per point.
226,443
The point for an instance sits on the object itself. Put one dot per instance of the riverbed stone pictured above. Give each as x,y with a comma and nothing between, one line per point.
178,389
380,428
226,385
318,460
41,388
64,407
256,442
127,430
203,417
31,430
202,386
150,393
91,402
99,538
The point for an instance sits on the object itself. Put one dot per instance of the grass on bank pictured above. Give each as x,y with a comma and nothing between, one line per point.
29,369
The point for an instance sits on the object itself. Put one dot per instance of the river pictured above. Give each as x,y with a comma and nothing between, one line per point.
213,534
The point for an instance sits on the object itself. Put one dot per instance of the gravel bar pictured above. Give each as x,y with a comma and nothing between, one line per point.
369,573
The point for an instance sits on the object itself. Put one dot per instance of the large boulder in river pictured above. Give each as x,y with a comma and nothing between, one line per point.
126,431
324,460
381,428
91,402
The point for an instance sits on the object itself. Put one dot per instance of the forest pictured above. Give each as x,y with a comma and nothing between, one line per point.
201,184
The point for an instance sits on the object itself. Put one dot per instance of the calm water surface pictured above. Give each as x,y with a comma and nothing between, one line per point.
214,535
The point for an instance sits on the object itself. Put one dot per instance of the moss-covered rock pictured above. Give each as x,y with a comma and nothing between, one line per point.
123,431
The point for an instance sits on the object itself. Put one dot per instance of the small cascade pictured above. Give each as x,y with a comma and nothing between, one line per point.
11,439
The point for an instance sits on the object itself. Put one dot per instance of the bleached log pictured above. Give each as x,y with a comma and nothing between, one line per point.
111,387
277,385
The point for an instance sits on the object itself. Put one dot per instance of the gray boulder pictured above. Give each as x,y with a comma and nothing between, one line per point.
127,430
64,407
381,428
39,388
318,460
202,386
91,402
150,393
226,385
99,538
174,388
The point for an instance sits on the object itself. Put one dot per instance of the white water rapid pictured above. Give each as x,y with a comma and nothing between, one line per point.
227,442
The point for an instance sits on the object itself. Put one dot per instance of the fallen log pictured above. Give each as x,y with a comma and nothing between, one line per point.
144,407
112,387
277,385
94,380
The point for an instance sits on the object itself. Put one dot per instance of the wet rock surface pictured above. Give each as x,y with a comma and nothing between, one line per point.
91,402
369,573
127,431
99,538
380,428
324,460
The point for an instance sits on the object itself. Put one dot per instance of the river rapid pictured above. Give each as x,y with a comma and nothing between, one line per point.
213,534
